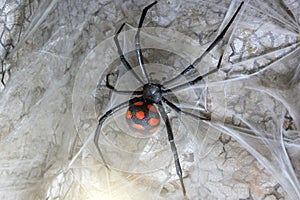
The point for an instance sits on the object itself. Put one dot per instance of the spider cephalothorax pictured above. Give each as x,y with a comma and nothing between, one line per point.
152,92
147,106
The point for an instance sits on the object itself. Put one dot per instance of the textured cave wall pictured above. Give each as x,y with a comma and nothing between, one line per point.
55,53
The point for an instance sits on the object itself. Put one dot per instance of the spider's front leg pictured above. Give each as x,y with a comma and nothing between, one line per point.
111,87
209,48
173,146
138,44
122,57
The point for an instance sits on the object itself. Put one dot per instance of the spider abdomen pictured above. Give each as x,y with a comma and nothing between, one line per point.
143,118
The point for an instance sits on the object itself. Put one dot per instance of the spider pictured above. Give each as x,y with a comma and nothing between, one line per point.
148,105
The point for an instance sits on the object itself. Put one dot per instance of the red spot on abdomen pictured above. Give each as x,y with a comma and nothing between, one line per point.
153,121
152,108
138,126
140,114
129,114
139,103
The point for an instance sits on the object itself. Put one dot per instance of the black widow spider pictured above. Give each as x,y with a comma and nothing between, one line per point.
153,94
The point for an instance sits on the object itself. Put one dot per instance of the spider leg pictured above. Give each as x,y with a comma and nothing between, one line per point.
122,57
178,110
173,146
196,80
211,46
111,87
138,44
2,73
104,117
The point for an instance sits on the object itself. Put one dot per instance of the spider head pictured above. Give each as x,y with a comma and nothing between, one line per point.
152,92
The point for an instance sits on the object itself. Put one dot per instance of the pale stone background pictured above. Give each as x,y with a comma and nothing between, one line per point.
45,154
